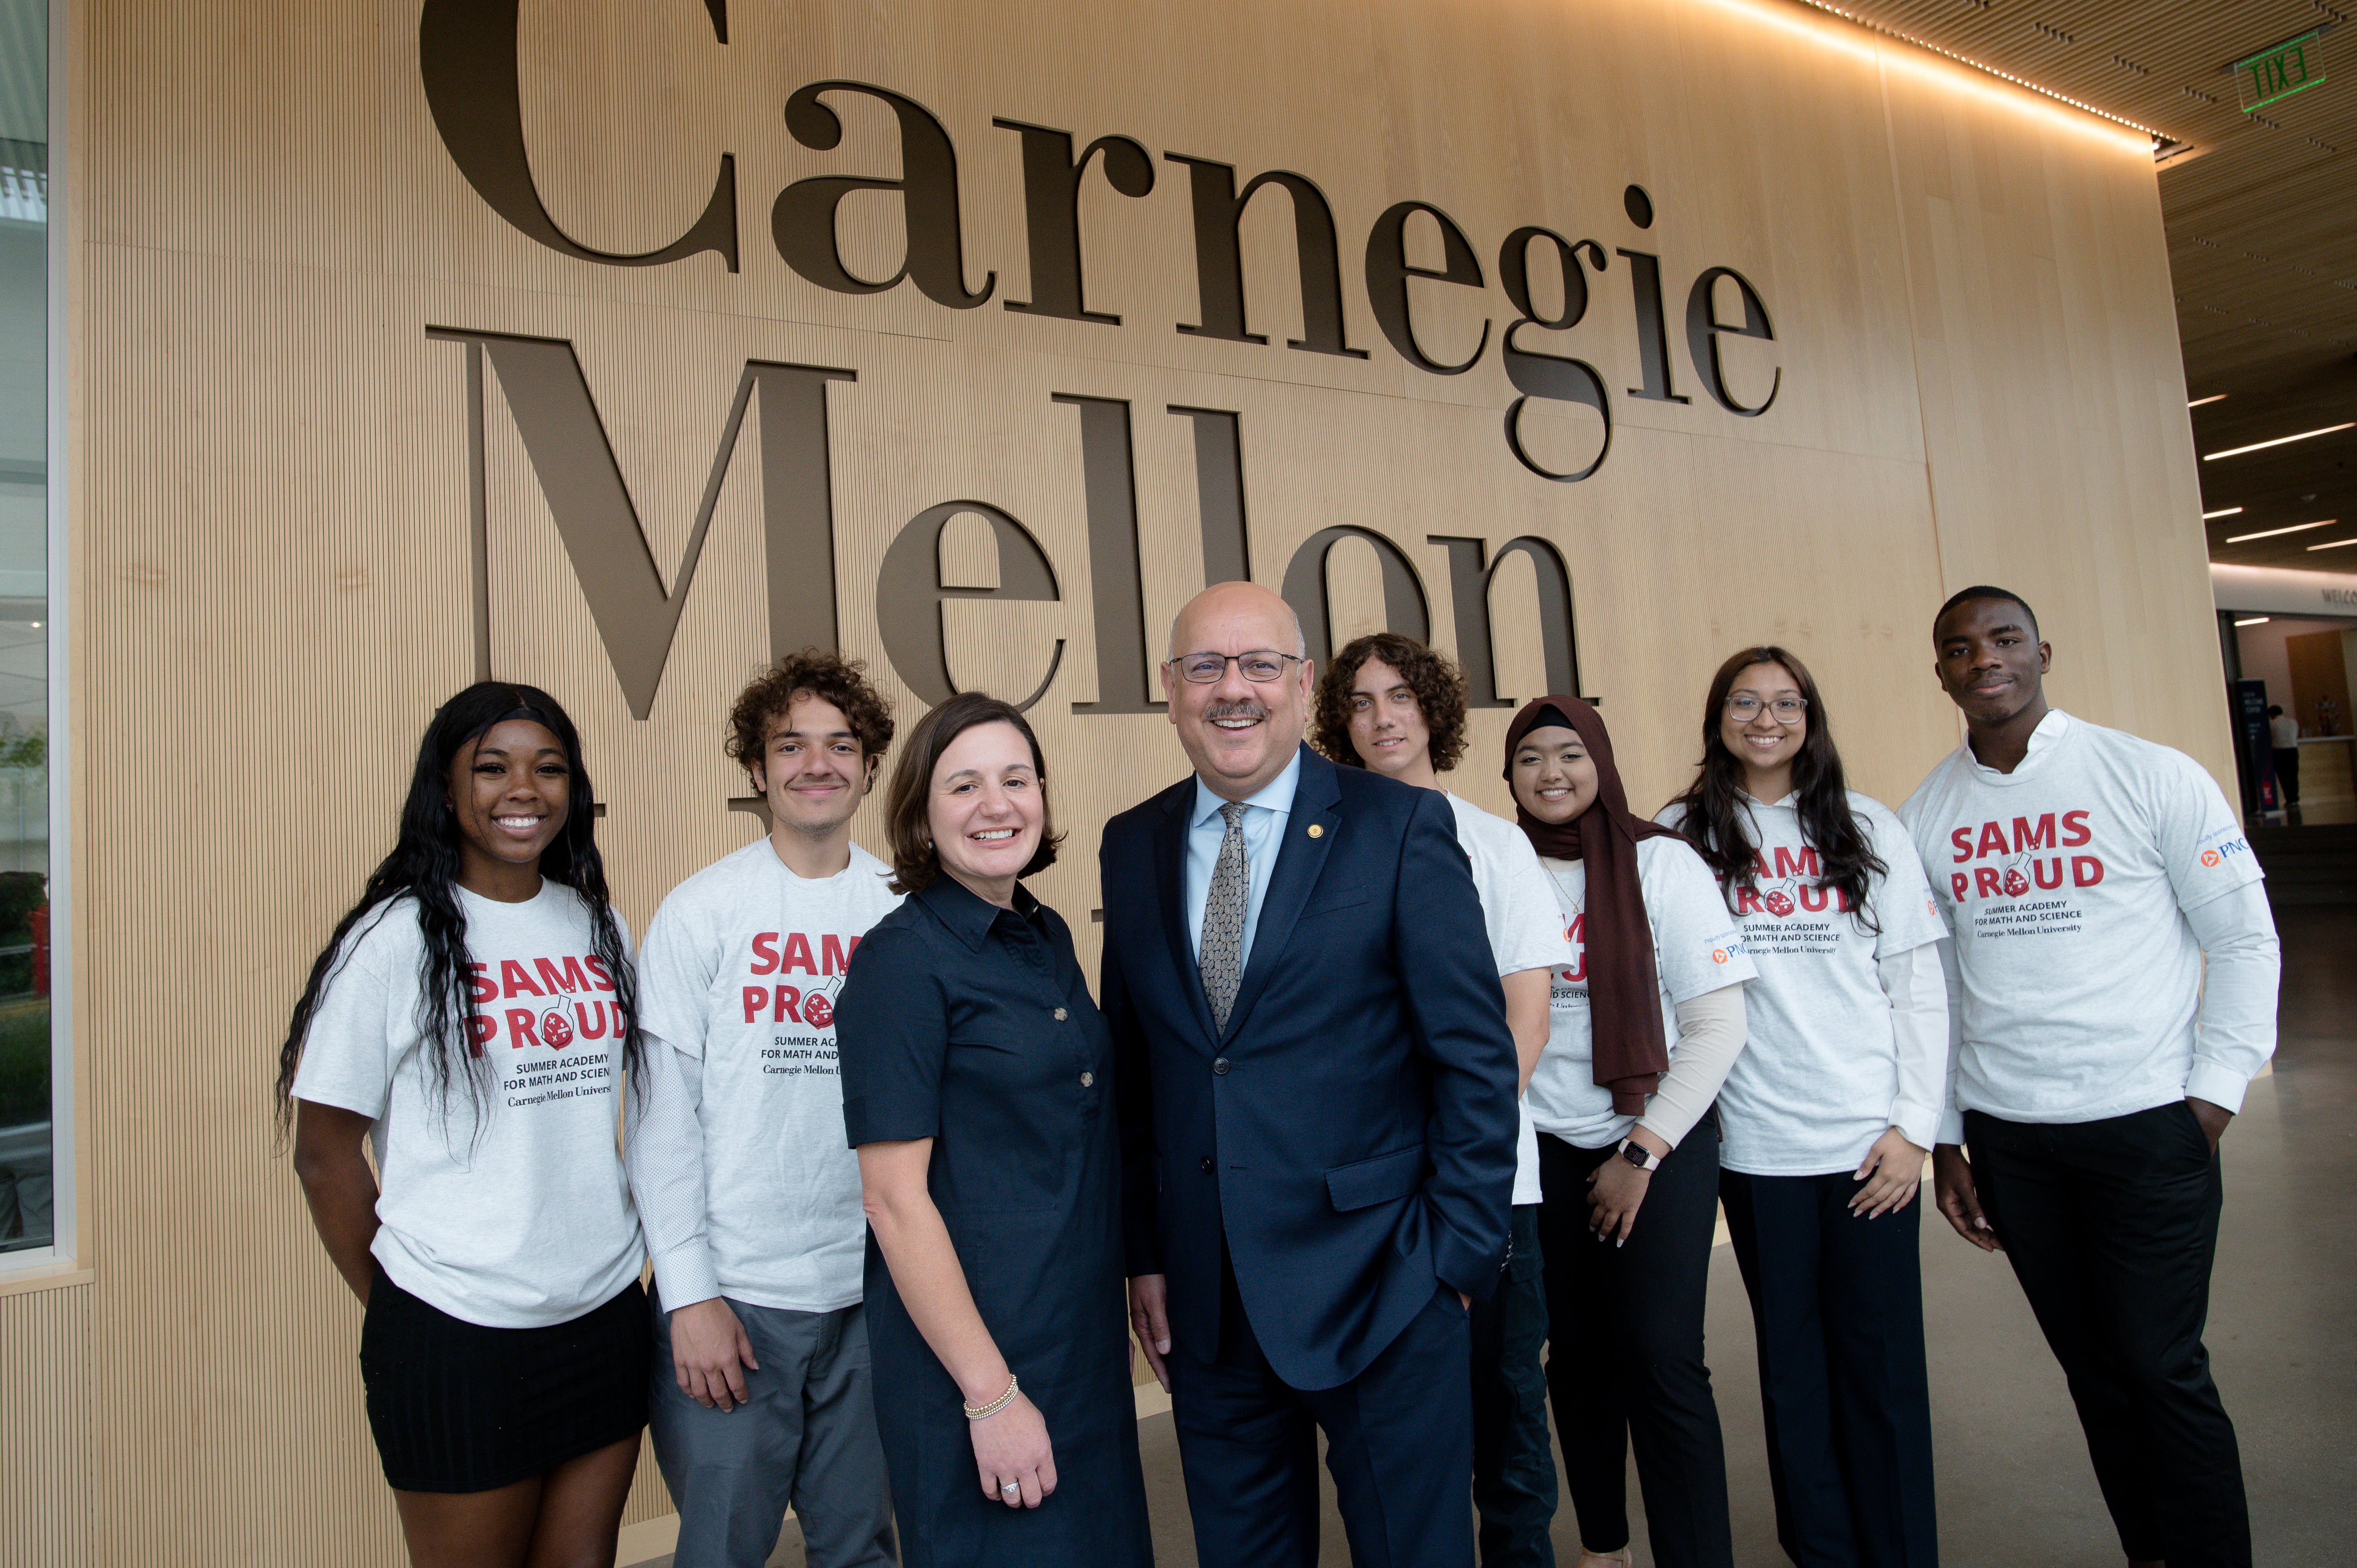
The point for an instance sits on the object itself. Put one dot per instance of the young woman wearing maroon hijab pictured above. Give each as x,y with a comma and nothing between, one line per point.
1645,1021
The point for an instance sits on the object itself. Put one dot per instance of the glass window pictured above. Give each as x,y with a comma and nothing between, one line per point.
27,1185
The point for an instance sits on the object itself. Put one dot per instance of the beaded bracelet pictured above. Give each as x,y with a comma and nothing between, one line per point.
983,1412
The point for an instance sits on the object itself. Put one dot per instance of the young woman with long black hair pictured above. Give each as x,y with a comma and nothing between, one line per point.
473,1015
1646,1015
1828,1113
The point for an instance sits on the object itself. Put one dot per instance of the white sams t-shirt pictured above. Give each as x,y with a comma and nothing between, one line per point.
2065,884
1518,908
1697,948
740,970
518,1217
1817,1079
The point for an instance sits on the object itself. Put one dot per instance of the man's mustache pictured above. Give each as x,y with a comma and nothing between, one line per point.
1234,711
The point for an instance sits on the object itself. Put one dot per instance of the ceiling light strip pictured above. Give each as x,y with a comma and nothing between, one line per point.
2295,528
2213,397
1872,26
2222,511
2255,620
2334,545
2278,441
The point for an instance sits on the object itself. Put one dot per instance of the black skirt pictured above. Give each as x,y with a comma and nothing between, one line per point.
456,1407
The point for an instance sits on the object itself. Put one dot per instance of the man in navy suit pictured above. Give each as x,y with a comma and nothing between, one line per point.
1316,1091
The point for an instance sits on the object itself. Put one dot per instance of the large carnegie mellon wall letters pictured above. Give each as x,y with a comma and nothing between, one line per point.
617,344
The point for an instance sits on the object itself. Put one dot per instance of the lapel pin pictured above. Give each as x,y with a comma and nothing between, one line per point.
1318,830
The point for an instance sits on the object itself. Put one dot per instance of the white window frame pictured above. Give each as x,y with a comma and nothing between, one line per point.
65,1246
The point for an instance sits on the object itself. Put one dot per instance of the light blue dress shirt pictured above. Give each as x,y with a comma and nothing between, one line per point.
1263,830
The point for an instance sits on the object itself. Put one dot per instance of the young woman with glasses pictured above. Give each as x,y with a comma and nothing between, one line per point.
1828,1113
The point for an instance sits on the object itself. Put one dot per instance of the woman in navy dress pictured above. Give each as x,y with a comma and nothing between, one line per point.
977,1087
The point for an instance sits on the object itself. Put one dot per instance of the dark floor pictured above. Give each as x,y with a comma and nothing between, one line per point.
2015,1486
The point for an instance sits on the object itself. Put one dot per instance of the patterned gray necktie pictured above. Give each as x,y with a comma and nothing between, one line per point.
1221,956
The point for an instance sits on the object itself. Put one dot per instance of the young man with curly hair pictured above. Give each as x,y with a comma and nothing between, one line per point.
1390,703
749,1195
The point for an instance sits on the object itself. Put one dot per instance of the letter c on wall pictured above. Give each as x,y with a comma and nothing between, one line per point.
467,57
908,596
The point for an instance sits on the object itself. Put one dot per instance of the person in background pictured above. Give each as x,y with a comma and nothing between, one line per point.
749,1196
2283,733
473,1017
1318,1112
977,1087
1391,704
1647,1016
1828,1114
2114,978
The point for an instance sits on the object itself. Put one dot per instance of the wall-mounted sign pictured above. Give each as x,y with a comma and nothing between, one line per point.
2275,74
469,69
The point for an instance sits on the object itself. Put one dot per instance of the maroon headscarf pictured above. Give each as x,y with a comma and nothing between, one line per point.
1624,988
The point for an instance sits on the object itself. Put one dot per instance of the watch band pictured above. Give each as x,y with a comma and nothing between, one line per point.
1637,1155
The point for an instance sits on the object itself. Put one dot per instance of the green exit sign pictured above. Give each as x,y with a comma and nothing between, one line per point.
2272,75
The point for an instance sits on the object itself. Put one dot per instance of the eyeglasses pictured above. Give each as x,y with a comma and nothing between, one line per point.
1261,664
1744,707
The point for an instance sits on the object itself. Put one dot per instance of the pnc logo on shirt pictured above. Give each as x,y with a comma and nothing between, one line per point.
2211,857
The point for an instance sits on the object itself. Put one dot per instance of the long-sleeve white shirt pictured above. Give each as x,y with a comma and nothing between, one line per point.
2088,890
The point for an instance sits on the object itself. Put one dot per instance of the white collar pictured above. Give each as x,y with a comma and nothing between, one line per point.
1276,795
2049,734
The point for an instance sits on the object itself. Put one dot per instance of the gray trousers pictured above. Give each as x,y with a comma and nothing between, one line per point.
804,1437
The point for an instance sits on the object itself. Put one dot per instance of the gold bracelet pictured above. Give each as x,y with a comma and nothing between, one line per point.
984,1412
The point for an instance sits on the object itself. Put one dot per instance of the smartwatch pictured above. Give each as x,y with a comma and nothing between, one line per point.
1637,1155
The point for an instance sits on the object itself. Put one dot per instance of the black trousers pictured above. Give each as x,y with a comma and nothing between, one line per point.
1838,1308
1514,1466
1625,1353
2288,775
2112,1227
1399,1443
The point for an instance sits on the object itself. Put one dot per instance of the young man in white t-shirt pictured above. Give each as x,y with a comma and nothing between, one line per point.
749,1194
1391,704
2091,879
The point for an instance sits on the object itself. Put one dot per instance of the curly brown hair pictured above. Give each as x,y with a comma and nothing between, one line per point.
1431,675
829,677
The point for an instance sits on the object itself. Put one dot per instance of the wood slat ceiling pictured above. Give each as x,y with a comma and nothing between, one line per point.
2261,212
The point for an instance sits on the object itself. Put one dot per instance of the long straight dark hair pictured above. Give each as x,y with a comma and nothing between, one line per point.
1715,814
424,866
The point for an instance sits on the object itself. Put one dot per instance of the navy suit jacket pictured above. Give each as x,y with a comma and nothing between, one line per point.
1352,1133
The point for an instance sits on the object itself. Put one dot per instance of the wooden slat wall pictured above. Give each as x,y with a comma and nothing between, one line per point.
270,590
49,1488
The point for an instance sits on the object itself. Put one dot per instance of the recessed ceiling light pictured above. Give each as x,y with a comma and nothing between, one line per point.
2221,512
2213,397
2295,528
2255,620
2278,441
2334,545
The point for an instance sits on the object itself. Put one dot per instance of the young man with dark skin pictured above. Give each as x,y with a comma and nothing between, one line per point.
749,1196
2113,990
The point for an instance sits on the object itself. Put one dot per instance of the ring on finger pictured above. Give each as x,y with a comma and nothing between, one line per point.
1009,1489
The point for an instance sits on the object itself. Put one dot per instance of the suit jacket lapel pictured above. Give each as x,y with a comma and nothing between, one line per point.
1170,892
1316,800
